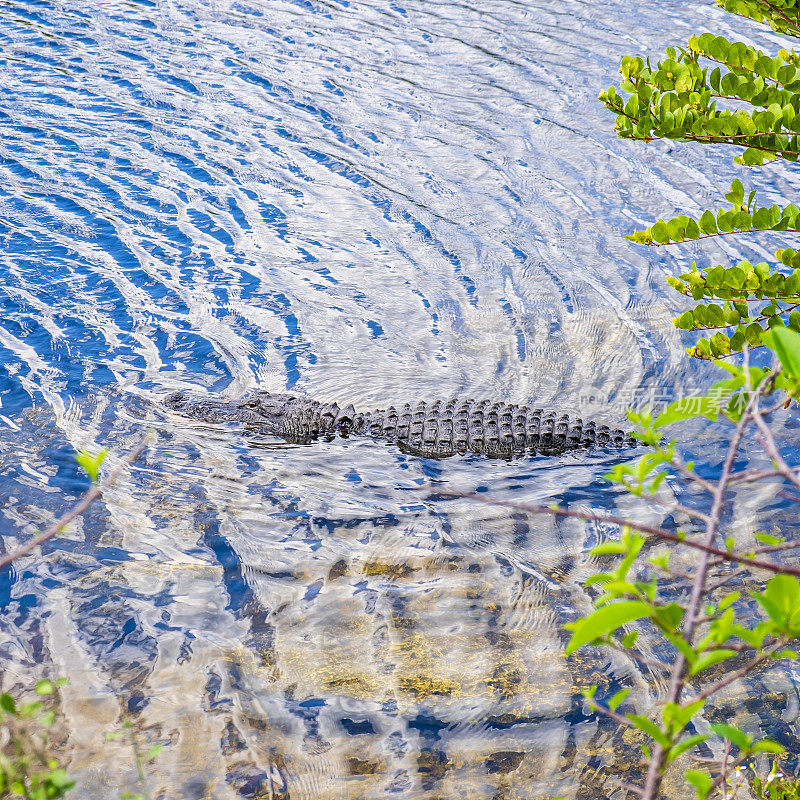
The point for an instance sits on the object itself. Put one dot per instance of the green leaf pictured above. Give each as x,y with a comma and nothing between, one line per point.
681,645
720,344
29,710
153,752
650,728
768,539
786,344
605,620
598,578
781,601
700,780
59,779
725,221
676,717
669,616
762,219
768,746
763,67
735,278
615,702
7,703
753,333
635,543
729,600
732,734
736,195
715,276
708,223
684,745
676,228
44,687
715,316
629,639
659,232
91,463
755,638
752,158
742,221
707,660
612,547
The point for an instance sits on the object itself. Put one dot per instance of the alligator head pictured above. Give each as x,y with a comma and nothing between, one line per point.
261,409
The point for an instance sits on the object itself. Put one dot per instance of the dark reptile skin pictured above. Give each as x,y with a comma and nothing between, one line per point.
431,430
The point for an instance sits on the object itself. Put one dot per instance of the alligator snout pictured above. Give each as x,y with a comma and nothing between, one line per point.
249,411
206,409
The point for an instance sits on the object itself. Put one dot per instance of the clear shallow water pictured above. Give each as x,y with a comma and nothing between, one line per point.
361,202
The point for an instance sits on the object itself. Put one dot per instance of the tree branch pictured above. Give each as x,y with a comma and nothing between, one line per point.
741,672
619,521
91,495
768,442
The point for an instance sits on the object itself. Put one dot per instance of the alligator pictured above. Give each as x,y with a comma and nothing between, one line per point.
431,430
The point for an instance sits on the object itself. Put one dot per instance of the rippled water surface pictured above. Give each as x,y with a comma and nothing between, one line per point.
366,202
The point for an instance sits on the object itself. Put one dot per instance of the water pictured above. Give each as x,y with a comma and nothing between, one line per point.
362,202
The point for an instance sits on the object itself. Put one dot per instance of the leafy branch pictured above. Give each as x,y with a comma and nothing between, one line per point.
717,91
712,626
91,464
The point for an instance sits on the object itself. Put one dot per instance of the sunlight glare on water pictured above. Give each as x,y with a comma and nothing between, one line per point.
363,202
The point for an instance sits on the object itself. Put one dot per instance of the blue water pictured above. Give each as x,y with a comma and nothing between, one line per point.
363,202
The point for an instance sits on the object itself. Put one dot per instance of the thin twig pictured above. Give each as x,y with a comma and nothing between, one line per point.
779,406
137,755
774,548
91,495
753,475
691,475
739,647
678,508
648,662
655,769
727,579
768,442
787,310
619,521
595,706
628,787
679,573
741,672
724,774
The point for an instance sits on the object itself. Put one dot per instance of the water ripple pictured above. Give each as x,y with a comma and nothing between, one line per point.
369,203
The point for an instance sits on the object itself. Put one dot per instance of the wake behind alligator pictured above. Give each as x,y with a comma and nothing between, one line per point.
431,430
